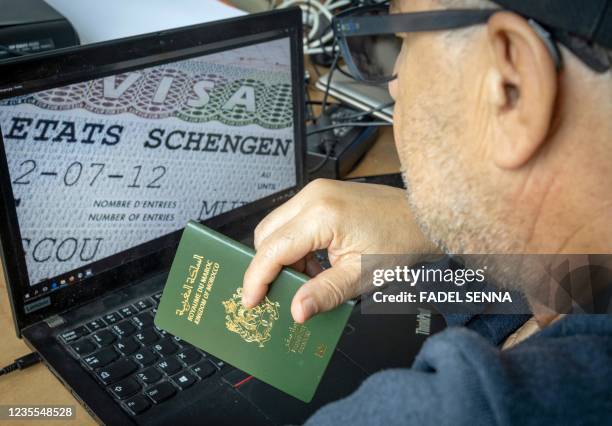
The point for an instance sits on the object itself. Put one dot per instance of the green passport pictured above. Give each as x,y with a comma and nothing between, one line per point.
202,304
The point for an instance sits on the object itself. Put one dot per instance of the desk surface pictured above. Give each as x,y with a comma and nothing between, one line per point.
38,386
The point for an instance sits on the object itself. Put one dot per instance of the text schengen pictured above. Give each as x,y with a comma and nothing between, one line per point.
217,142
86,132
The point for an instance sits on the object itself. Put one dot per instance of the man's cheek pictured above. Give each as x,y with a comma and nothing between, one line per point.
393,88
402,107
398,130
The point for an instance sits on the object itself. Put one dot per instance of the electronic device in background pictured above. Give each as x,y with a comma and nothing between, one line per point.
333,153
390,179
357,94
32,26
317,16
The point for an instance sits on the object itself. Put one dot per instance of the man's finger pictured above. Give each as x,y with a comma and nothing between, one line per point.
285,246
326,291
290,209
278,218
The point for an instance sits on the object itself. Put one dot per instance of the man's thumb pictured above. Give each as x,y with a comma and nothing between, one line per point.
326,291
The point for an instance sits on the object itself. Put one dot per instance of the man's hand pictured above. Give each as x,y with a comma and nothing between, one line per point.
348,219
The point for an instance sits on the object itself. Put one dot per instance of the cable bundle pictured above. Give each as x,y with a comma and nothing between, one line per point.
317,15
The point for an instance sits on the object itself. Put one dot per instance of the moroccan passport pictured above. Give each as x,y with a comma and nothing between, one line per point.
202,304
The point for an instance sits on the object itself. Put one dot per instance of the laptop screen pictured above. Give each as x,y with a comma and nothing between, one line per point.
100,167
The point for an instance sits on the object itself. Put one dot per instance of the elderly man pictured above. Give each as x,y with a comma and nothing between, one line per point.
504,132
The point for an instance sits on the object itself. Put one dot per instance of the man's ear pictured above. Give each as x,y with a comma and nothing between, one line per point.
522,88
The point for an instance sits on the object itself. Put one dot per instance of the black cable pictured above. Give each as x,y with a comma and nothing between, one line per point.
366,112
352,116
356,124
309,108
327,139
312,101
329,79
325,54
346,73
345,118
21,363
322,162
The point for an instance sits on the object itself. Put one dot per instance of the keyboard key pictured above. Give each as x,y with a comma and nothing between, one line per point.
96,325
236,378
101,358
157,297
184,380
123,329
127,346
125,388
147,336
143,304
169,366
103,337
189,356
161,331
204,369
145,357
74,334
127,311
179,341
149,376
221,365
117,371
112,318
83,330
186,345
166,347
84,346
160,392
136,405
143,319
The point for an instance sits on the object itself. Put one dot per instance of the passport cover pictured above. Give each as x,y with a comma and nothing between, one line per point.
201,303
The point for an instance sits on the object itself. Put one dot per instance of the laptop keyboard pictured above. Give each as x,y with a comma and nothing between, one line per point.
136,362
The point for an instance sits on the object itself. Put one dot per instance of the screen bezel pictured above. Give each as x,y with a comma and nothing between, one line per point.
67,66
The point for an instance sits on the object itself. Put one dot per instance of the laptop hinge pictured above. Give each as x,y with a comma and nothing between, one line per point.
55,321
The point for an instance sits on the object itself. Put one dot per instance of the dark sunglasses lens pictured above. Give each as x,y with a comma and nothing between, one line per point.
374,55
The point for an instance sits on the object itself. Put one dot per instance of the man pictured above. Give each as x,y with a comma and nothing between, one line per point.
505,148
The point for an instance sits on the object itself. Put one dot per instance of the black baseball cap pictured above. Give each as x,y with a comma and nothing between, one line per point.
584,27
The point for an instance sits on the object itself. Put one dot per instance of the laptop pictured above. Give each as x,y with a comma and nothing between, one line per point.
357,94
106,151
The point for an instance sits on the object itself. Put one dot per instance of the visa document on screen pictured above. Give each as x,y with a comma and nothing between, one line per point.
104,165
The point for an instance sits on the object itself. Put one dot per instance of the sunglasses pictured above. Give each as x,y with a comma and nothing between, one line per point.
366,38
367,41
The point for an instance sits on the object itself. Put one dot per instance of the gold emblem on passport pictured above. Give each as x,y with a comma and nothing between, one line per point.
253,325
320,350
